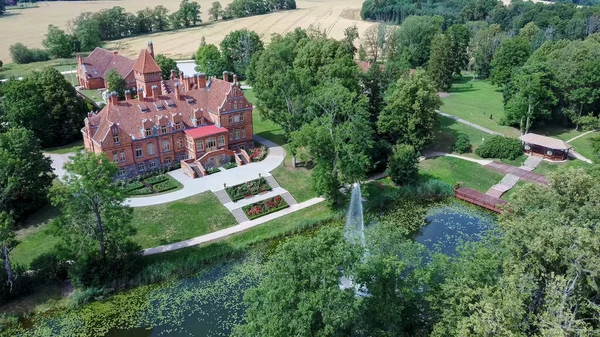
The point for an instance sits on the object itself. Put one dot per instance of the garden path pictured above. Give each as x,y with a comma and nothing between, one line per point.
581,135
231,230
478,127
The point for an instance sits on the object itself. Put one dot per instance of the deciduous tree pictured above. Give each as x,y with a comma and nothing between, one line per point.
511,54
166,64
415,34
209,60
58,43
237,49
116,83
441,62
215,11
7,242
402,165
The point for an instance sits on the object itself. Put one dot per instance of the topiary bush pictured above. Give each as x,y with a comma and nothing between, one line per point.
462,144
500,147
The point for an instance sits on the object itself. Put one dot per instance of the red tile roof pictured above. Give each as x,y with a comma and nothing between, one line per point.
205,131
101,61
145,63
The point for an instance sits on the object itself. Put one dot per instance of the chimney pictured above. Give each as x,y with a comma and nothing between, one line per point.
151,48
177,91
234,79
128,95
202,81
155,91
225,76
140,94
186,82
173,74
114,98
115,52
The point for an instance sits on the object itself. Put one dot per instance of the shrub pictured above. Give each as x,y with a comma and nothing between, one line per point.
21,54
265,207
500,147
427,190
134,185
589,122
141,191
157,179
88,295
402,165
462,144
212,170
113,271
49,268
230,165
165,186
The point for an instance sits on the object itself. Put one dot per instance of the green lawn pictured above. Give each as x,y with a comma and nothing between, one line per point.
71,78
33,243
453,171
447,131
18,70
547,167
180,220
75,146
263,127
584,146
475,101
93,94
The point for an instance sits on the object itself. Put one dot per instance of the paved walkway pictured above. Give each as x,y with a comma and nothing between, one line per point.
531,163
523,174
478,127
214,182
231,230
444,154
581,135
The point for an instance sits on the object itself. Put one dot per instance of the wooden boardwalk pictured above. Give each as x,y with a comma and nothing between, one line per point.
480,199
523,174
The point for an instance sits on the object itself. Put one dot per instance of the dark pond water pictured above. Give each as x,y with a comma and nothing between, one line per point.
210,304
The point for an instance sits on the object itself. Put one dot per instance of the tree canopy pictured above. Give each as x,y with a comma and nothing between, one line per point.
209,60
166,65
238,48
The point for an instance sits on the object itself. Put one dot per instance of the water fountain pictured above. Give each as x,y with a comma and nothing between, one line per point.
355,233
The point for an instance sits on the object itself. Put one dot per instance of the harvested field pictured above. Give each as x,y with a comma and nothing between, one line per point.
30,26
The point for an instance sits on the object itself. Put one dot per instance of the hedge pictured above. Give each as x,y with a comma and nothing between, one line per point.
500,147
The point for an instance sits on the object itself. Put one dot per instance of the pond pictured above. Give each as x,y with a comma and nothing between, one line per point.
211,303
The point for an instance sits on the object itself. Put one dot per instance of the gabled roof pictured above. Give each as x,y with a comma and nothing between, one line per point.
101,61
145,63
547,142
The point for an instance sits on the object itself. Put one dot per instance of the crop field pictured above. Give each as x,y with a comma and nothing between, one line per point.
29,26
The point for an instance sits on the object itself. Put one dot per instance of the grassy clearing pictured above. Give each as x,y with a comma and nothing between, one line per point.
584,146
447,131
34,242
180,220
475,102
547,167
93,94
71,78
75,146
19,70
262,126
453,171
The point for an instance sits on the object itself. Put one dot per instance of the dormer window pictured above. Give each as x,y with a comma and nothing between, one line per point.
170,103
159,106
178,126
190,100
148,132
143,107
163,129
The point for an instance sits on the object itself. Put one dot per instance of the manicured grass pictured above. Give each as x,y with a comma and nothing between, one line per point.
33,245
296,180
180,220
447,131
453,171
19,70
71,78
475,101
584,146
547,167
557,131
75,146
93,94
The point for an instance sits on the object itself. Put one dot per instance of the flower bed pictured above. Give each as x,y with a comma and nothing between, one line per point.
249,188
212,170
258,153
141,191
230,165
134,185
157,179
265,207
165,186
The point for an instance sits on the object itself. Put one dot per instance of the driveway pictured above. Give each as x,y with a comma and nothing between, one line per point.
58,162
214,182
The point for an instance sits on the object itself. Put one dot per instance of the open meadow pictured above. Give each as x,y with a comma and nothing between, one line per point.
29,26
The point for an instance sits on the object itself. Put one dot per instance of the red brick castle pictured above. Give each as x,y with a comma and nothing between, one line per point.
196,122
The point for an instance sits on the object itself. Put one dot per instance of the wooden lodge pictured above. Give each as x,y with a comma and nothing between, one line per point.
546,147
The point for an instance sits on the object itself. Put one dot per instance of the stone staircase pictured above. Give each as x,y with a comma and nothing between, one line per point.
531,163
239,215
223,197
271,181
289,198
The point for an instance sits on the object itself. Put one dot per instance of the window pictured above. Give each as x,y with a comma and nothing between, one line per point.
116,139
210,142
148,132
166,145
178,126
221,140
237,134
230,135
241,117
122,154
115,157
167,160
151,149
236,119
163,129
121,172
243,133
230,119
199,145
141,167
235,105
139,153
179,142
152,165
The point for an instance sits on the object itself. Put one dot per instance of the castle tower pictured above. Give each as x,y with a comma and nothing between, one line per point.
146,72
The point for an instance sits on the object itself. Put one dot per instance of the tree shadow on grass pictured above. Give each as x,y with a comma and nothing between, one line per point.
444,137
275,138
